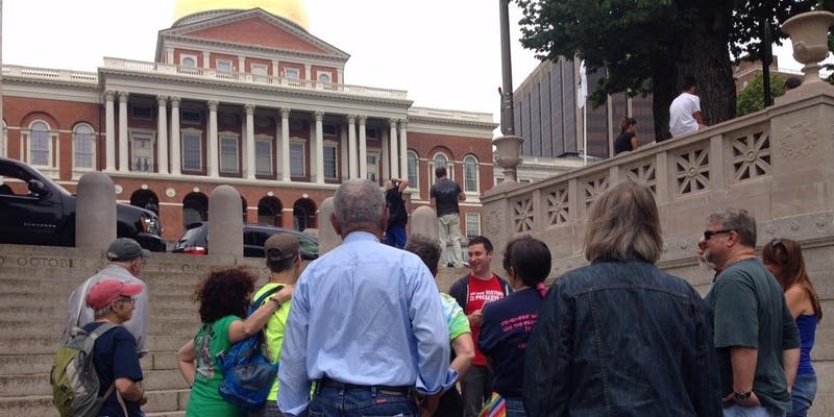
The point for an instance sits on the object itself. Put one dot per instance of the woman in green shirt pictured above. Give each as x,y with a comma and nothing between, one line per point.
224,298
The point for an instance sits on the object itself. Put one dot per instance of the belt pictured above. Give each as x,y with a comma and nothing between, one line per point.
332,383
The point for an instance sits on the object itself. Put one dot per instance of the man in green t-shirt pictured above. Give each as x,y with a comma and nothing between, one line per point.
755,335
283,258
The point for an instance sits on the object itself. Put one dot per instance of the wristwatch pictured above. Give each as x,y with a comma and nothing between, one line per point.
742,395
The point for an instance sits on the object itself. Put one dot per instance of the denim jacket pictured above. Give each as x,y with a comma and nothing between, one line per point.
622,339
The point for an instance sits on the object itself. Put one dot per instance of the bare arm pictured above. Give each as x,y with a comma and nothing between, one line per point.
744,360
798,301
790,357
185,360
464,349
403,184
241,329
700,119
462,196
634,143
130,390
476,318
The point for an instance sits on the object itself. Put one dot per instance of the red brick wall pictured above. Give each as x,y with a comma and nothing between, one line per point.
255,31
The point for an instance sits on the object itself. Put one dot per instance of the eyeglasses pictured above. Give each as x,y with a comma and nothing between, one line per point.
708,234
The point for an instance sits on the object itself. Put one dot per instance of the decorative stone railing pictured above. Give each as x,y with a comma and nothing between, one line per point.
50,74
249,78
775,163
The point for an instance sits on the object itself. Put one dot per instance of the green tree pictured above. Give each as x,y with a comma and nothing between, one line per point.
651,46
751,97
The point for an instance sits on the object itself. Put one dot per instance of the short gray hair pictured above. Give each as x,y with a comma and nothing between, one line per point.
739,221
624,223
358,203
426,248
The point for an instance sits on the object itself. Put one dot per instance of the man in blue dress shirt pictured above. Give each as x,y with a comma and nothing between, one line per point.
366,323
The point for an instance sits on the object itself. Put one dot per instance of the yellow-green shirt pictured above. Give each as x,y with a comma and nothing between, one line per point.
274,331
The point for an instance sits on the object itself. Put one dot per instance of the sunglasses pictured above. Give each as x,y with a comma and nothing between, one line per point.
776,242
708,234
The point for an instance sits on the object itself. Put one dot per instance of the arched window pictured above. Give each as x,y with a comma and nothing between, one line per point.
470,174
40,147
188,61
84,148
324,77
413,170
441,160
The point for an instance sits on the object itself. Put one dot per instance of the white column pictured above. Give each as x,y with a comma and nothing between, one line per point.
403,151
213,155
353,158
250,141
206,58
285,144
340,73
275,71
393,152
124,159
175,136
241,64
343,152
308,72
162,135
110,135
363,149
169,56
384,162
319,161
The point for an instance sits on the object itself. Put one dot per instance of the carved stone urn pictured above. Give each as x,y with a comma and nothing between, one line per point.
809,35
507,155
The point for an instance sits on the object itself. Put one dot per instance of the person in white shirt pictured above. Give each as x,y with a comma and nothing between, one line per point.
685,111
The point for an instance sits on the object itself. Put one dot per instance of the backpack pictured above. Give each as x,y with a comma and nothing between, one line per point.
74,379
248,373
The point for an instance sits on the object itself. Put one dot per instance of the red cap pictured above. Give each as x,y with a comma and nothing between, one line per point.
109,290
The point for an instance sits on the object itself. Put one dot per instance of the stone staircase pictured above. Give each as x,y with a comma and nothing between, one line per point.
35,283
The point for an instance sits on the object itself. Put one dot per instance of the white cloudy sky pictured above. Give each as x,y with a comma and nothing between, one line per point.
445,53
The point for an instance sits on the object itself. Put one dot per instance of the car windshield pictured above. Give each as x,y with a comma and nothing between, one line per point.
308,245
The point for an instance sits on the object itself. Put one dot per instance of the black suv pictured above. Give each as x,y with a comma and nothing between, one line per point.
41,212
195,240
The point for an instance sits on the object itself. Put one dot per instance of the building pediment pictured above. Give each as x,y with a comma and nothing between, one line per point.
251,28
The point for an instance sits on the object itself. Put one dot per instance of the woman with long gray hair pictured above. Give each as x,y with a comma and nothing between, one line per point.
620,336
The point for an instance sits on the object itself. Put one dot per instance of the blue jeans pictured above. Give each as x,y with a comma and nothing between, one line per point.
341,402
802,396
395,236
736,410
515,407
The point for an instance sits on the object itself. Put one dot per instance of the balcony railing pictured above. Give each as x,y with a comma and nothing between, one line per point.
249,78
50,74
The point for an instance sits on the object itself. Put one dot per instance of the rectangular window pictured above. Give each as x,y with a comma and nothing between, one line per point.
190,117
39,148
329,161
291,73
259,69
263,157
473,225
142,153
328,129
192,152
229,155
296,159
140,112
371,133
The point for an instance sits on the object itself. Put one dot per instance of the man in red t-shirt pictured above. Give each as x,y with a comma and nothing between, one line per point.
472,292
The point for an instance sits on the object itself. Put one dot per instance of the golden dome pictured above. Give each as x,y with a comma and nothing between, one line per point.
292,10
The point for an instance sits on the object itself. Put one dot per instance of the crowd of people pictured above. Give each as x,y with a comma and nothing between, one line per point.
364,331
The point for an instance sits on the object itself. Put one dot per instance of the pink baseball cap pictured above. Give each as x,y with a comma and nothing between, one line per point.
109,290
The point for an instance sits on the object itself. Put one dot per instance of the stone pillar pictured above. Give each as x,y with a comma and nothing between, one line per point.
424,222
169,56
328,238
393,149
404,151
241,64
363,149
319,149
213,155
353,157
110,127
162,135
95,218
250,141
175,136
206,59
226,226
285,145
124,158
308,72
275,69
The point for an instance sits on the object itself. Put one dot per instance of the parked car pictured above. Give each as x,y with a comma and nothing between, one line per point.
195,240
34,210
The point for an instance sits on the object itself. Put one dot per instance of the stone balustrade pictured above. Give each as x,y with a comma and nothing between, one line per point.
50,73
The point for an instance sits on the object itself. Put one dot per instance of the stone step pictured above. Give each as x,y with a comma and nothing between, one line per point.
33,363
168,326
22,344
160,404
31,315
38,384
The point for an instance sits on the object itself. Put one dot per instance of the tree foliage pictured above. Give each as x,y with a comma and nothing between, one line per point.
751,97
651,46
